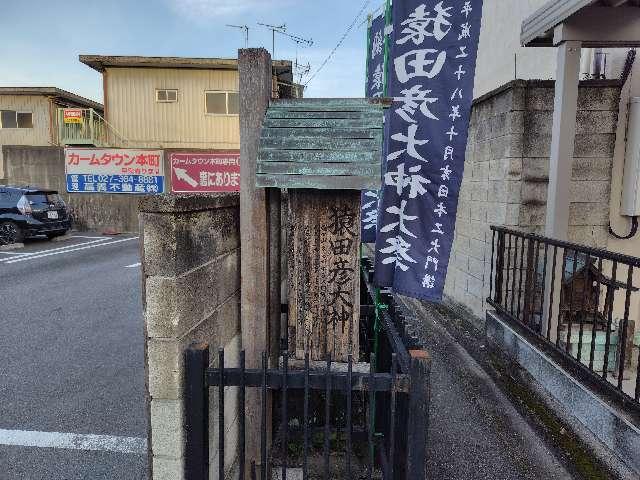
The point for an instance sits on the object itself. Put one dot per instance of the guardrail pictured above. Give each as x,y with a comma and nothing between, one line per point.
576,300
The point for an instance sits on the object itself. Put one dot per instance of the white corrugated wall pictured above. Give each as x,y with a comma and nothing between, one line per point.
132,108
39,135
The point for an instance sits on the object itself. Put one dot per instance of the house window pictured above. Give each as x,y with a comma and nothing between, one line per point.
221,103
167,96
14,119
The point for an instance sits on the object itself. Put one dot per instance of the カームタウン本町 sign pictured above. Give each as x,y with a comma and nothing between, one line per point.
114,170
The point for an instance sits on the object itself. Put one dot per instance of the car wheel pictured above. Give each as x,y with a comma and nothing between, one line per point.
10,233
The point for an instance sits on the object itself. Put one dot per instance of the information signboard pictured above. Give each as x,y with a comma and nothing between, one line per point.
114,170
205,172
72,115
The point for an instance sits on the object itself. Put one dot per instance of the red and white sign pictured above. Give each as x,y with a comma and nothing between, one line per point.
72,115
205,172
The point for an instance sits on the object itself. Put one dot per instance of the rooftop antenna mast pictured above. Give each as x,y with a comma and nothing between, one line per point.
274,28
246,33
299,40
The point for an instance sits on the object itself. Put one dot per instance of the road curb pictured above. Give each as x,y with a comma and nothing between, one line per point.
11,246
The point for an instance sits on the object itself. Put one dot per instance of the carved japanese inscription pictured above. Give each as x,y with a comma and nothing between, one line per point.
324,281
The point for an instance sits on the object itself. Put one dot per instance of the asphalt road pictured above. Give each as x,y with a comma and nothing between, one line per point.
72,360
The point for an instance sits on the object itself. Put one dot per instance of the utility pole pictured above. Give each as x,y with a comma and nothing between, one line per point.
246,33
274,28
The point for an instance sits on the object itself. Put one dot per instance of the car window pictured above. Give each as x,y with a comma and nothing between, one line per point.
43,197
5,199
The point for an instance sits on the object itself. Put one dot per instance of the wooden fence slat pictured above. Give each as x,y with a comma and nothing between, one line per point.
323,102
317,156
312,132
335,182
282,113
311,143
321,123
319,168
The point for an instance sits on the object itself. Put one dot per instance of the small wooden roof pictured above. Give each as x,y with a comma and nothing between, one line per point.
321,144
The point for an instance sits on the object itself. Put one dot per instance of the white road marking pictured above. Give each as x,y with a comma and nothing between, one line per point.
66,247
73,441
86,246
133,265
13,253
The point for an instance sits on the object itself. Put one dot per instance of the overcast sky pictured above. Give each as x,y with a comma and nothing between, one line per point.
43,38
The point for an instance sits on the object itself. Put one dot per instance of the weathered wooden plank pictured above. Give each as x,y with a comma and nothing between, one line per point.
320,182
318,156
361,133
254,68
311,143
283,113
323,123
324,286
315,168
325,102
360,110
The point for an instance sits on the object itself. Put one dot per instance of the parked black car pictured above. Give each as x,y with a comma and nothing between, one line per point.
27,212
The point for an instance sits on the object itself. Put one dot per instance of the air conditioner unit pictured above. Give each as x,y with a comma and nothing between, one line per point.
631,180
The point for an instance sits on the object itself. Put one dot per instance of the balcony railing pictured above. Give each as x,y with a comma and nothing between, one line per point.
580,303
85,126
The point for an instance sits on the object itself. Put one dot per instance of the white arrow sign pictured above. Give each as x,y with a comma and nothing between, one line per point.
181,174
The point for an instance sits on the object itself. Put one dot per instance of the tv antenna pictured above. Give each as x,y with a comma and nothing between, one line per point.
246,33
298,41
274,28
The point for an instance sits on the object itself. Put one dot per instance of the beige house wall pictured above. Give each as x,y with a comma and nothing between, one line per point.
502,59
131,108
39,135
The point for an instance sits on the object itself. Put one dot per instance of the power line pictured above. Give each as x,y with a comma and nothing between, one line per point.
340,42
373,14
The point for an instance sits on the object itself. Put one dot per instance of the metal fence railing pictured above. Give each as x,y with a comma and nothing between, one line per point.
580,302
367,454
329,420
86,127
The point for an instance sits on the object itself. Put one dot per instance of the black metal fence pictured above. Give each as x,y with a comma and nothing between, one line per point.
383,405
576,300
399,454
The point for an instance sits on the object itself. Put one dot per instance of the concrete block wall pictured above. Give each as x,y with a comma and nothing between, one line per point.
191,293
44,167
506,175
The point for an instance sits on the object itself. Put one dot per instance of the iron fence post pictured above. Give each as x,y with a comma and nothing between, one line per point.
196,412
418,415
499,268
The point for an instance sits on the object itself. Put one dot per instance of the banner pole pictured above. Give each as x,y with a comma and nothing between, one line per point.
378,305
387,22
366,94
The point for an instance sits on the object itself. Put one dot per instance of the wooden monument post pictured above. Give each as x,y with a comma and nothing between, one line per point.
324,151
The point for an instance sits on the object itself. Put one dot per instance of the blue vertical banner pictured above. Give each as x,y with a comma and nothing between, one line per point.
431,77
374,89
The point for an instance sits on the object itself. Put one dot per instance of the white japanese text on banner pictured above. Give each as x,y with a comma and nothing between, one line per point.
432,67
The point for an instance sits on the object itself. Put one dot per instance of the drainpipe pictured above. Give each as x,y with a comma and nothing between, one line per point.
626,164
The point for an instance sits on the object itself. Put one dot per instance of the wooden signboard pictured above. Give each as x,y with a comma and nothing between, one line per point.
324,279
324,152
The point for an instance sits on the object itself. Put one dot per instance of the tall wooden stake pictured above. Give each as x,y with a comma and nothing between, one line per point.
254,66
